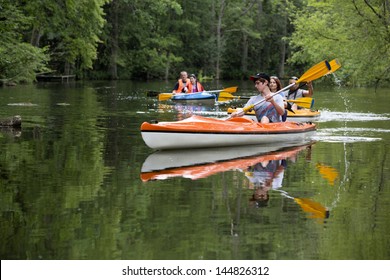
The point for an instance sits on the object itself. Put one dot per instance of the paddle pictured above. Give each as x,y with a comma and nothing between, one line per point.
314,208
166,96
226,96
305,102
308,102
335,65
314,73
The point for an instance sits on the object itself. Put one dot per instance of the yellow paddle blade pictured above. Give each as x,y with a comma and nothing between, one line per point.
164,96
230,89
329,173
335,65
315,72
226,95
305,102
315,209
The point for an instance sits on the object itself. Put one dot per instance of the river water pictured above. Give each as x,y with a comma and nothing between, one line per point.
78,182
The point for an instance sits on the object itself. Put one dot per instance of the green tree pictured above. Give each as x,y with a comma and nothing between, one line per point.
356,32
139,39
71,29
18,60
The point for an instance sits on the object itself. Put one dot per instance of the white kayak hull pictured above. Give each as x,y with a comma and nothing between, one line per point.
203,140
201,132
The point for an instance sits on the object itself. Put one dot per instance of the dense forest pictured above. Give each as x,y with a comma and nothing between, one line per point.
222,39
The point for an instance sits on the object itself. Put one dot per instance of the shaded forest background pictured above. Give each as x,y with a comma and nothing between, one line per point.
222,39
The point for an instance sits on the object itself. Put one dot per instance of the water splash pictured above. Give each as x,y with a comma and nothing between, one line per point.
327,116
348,134
337,80
358,130
343,139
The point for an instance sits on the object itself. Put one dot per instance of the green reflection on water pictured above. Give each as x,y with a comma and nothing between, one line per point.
71,188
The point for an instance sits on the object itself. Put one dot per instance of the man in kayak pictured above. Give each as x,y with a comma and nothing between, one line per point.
269,110
296,91
183,84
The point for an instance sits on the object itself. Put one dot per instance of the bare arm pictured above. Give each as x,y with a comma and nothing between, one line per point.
309,92
278,103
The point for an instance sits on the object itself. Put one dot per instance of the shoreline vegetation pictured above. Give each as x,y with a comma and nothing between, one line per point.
215,39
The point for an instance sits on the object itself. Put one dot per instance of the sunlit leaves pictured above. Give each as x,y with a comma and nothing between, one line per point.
356,32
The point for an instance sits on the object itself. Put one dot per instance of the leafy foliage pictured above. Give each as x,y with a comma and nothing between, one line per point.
145,39
18,60
358,32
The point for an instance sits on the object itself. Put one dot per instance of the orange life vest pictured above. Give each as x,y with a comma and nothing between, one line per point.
182,85
198,87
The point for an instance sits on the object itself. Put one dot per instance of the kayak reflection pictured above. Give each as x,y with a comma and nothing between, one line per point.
201,163
263,166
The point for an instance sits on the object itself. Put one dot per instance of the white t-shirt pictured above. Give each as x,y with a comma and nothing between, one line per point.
266,108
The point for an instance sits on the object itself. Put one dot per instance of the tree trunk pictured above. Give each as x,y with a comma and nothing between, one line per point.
283,45
113,67
219,40
67,68
259,26
167,66
244,57
35,37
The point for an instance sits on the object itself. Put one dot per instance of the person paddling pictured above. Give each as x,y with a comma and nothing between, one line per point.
270,111
296,91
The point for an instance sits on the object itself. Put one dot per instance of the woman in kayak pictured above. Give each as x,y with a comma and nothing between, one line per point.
267,111
195,85
275,84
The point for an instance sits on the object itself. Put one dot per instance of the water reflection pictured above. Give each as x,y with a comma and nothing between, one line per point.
183,110
263,167
13,132
201,163
186,110
327,172
71,188
313,209
264,176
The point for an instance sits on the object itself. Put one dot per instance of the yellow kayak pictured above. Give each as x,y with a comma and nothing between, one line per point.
301,115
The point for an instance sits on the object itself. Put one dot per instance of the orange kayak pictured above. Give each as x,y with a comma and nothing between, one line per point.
300,115
202,132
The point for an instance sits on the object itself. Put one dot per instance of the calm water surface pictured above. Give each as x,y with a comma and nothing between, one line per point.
78,182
